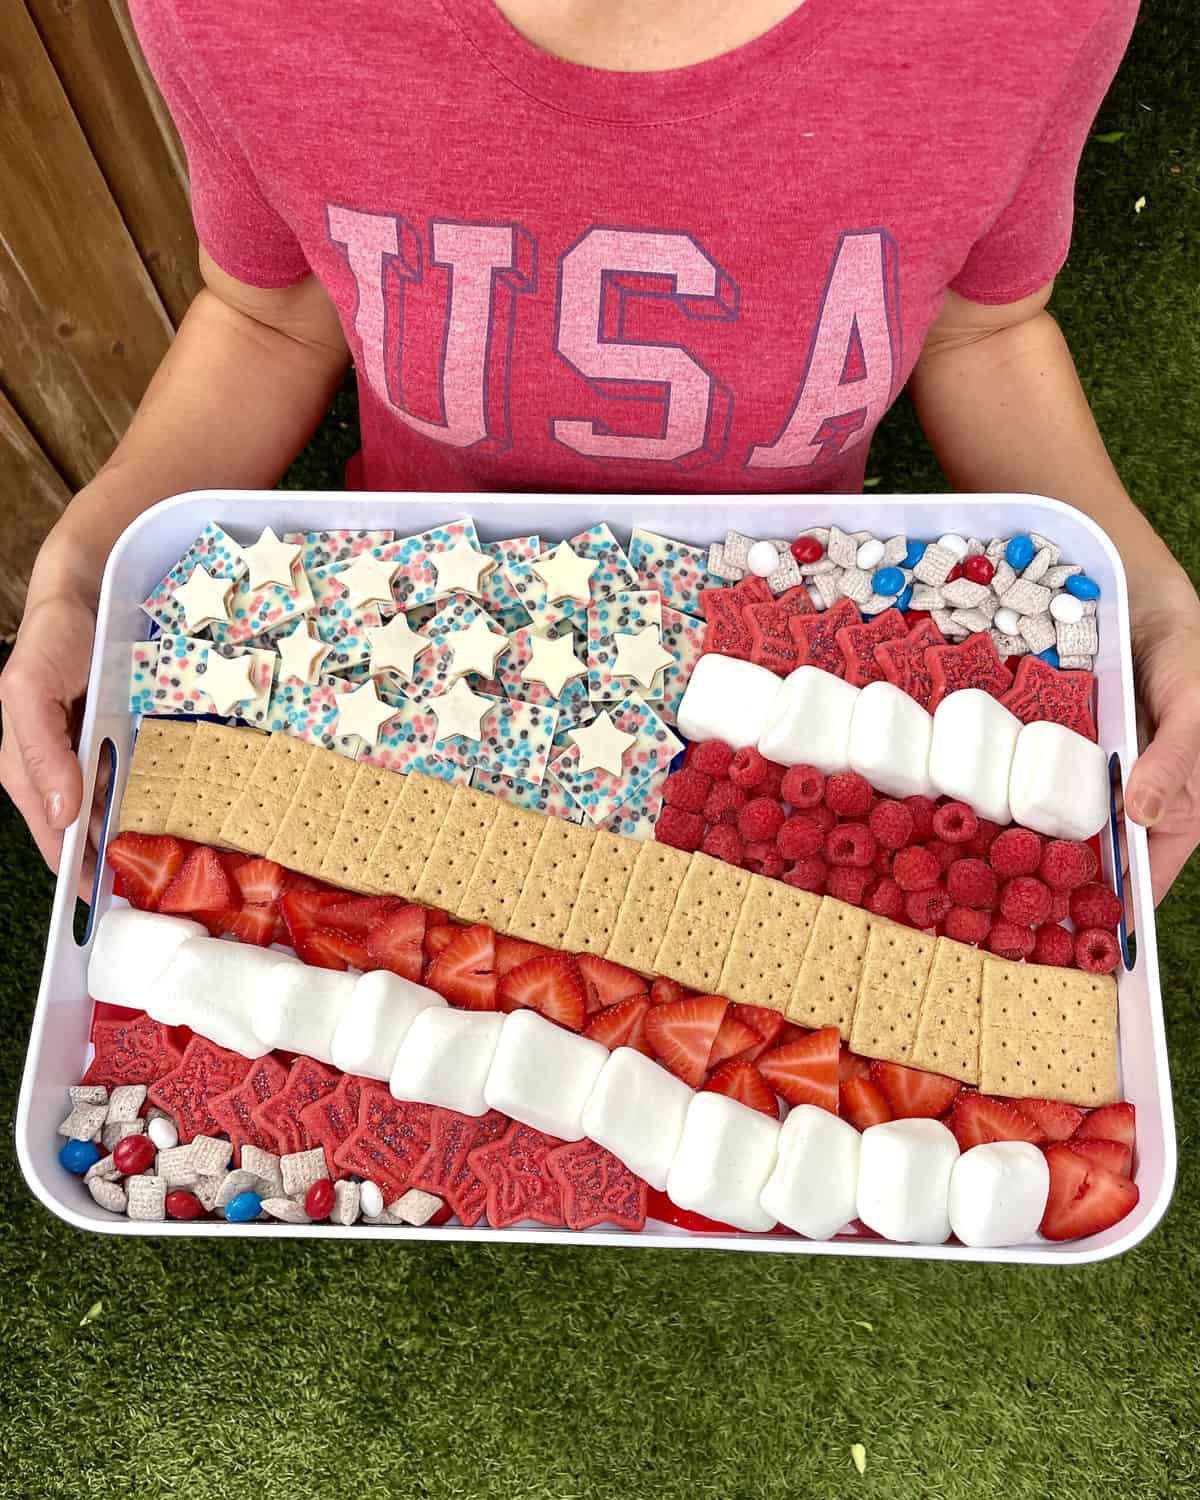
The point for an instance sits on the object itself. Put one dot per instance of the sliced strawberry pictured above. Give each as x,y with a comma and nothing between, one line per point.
977,1119
512,952
465,970
664,991
201,885
850,1065
301,908
359,915
1111,1122
682,1033
913,1094
326,949
741,1080
768,1023
733,1039
261,881
250,924
607,983
1056,1121
1115,1155
805,1071
1084,1196
231,863
395,941
551,985
621,1025
862,1102
438,937
145,864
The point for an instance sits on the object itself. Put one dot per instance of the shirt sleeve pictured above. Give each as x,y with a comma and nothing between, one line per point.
234,220
1026,244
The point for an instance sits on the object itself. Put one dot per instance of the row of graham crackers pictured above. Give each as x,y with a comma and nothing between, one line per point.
1016,1029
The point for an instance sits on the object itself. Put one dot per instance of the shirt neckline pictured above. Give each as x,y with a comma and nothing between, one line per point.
652,98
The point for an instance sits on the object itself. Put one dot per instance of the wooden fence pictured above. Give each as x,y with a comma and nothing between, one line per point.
97,257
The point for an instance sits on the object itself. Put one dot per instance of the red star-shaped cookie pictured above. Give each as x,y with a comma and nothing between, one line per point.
130,1051
280,1114
444,1169
857,644
519,1184
597,1188
1040,691
727,634
773,646
973,663
233,1110
902,661
816,635
389,1140
330,1121
204,1071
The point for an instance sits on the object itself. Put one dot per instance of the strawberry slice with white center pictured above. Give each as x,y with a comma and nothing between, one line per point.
621,1025
301,908
913,1094
682,1033
606,983
465,970
360,915
977,1119
396,940
201,886
741,1080
261,882
862,1102
1111,1122
250,924
1085,1197
1056,1121
1115,1155
551,985
805,1071
663,991
145,865
325,948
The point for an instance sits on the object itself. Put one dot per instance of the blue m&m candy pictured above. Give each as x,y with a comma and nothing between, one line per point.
1019,552
916,551
888,581
1049,656
243,1208
1082,586
904,600
78,1156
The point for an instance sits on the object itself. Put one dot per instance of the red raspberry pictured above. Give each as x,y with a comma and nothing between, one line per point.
1097,951
748,769
1060,906
955,823
978,569
806,549
682,830
1017,851
922,810
724,802
891,823
1067,864
928,907
850,844
799,836
803,786
723,841
763,858
915,869
1095,906
760,820
712,757
887,899
687,789
972,884
1053,945
1025,900
1007,940
773,785
985,837
883,861
850,884
848,794
825,819
965,925
945,854
807,874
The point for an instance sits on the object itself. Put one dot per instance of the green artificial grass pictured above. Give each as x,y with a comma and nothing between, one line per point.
337,1369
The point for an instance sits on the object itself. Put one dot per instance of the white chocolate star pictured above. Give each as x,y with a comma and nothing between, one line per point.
204,599
271,561
227,680
301,654
460,712
602,745
368,580
566,574
640,655
362,712
475,649
552,661
461,567
396,646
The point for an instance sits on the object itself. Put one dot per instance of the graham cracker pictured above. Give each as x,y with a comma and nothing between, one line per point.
399,856
601,893
654,885
258,811
947,1039
826,988
1048,998
220,760
543,910
700,928
1048,1033
198,811
146,804
159,751
895,969
307,827
362,819
768,944
455,851
499,874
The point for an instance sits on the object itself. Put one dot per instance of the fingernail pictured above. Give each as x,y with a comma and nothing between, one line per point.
1151,808
53,804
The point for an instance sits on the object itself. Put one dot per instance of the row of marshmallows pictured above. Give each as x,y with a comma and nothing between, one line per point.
1041,775
815,1173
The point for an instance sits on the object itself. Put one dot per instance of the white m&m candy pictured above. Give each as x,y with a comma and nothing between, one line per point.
762,559
1066,609
953,543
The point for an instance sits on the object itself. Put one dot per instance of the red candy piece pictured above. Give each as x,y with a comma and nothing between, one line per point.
728,632
1040,691
806,549
444,1168
234,1110
978,569
133,1154
318,1201
390,1139
280,1114
596,1187
330,1121
972,664
816,635
180,1204
857,644
136,1051
518,1183
203,1071
902,661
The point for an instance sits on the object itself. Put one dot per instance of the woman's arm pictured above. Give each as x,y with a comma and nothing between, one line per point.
1000,401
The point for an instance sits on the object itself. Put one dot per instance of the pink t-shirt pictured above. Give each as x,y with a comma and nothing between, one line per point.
552,277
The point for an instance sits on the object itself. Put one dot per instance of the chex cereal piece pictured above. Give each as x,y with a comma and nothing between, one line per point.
400,854
1054,577
1079,639
895,549
701,926
601,893
504,861
736,550
259,810
654,885
1008,645
841,548
1038,632
543,910
174,1166
926,598
210,1154
456,849
768,944
264,1167
415,1207
1044,544
346,1201
855,584
935,565
286,1210
158,755
116,1130
361,819
994,550
147,1197
205,1188
88,1093
1026,598
307,827
1035,571
125,1101
948,625
963,594
84,1123
676,570
787,573
970,620
110,1195
1048,1033
895,968
1075,663
104,1168
827,985
300,1169
232,1184
947,1039
719,568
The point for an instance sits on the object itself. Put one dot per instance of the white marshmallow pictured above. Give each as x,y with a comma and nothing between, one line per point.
890,736
971,753
298,1008
130,951
542,1074
809,721
375,1021
998,1193
726,699
762,559
636,1110
1058,784
814,1187
212,987
445,1058
904,1171
725,1155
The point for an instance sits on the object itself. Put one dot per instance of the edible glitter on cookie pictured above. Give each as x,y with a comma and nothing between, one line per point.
516,739
496,588
677,570
600,793
628,613
324,548
217,552
549,798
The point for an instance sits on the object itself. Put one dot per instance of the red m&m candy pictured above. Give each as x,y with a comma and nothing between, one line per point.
318,1201
806,549
133,1154
978,569
181,1204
